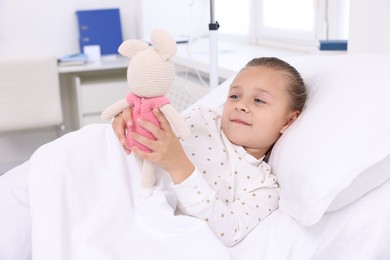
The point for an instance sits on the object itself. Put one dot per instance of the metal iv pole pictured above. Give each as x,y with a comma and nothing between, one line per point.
213,30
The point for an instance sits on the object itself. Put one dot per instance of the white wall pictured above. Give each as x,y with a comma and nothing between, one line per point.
179,17
50,26
369,30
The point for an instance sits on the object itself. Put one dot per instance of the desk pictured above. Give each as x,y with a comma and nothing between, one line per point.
107,63
87,89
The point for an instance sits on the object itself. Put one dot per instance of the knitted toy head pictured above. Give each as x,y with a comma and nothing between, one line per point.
150,72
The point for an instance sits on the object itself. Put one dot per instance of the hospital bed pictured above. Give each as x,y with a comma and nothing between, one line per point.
333,166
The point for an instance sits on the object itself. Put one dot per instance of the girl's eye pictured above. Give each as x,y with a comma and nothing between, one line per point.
259,101
234,96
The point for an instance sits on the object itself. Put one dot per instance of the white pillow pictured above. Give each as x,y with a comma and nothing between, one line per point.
339,148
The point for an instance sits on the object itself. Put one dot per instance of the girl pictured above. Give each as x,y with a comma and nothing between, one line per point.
220,174
80,200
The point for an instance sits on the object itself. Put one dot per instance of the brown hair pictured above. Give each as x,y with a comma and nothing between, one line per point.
297,88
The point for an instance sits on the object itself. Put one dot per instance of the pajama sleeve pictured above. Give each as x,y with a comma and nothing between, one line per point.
232,220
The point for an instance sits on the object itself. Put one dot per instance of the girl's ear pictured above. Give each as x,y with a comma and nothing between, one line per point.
290,119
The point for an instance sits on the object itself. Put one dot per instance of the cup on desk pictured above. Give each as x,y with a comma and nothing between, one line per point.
93,53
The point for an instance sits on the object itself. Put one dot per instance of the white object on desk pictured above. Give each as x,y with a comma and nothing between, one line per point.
93,53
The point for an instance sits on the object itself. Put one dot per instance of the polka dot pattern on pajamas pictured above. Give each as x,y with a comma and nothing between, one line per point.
230,189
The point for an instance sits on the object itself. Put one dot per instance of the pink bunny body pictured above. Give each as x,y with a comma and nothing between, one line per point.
143,108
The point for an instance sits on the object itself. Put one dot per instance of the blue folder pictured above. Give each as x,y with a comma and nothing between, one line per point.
100,27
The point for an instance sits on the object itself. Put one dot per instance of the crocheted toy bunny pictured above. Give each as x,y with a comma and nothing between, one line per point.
150,75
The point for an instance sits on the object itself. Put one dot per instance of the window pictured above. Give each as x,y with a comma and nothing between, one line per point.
234,17
289,23
286,14
338,19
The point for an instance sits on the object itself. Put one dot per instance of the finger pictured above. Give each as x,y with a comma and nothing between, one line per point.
150,127
164,123
119,126
139,153
127,116
127,150
149,143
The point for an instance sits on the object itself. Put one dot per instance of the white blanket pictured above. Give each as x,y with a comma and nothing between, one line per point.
86,204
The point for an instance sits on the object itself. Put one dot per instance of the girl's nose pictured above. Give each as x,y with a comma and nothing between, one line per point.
242,107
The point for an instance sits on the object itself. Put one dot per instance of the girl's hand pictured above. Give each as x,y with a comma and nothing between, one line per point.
120,124
167,151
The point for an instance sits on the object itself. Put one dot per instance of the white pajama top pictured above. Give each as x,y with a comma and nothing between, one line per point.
230,189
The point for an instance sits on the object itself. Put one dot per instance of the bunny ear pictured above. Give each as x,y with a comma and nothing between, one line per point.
131,47
164,43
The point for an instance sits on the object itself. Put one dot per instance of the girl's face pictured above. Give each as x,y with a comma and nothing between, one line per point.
257,109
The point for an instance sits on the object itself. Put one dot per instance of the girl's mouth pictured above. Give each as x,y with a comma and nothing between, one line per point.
239,122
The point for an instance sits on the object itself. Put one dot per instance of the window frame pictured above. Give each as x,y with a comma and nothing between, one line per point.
326,26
